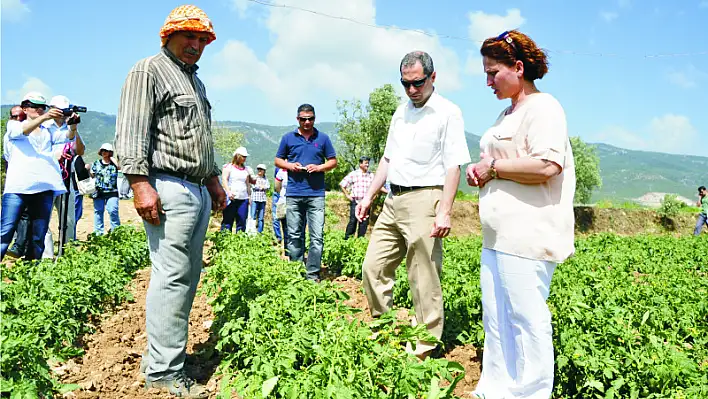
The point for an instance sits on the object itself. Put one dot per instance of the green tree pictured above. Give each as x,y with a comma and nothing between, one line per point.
226,141
587,170
362,131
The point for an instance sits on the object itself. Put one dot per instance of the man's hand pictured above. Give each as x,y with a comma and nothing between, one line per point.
217,193
362,209
441,225
312,168
294,167
53,113
146,201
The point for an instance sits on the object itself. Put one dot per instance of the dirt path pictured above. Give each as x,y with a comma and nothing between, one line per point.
110,368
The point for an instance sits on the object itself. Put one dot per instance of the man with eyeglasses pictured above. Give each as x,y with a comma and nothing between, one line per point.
165,147
33,175
425,148
306,153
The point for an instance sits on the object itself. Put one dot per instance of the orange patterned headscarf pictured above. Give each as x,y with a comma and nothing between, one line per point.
187,17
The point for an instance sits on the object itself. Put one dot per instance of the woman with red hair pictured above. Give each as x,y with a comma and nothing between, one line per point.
526,177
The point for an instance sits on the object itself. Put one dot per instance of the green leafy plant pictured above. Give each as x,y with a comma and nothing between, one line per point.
46,306
283,336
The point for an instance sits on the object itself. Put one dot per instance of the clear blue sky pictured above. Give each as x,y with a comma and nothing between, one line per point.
268,60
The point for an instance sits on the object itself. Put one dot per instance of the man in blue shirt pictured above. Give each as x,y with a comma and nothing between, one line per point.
306,153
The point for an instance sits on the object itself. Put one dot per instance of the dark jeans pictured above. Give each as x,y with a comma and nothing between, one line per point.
276,222
351,226
258,213
702,219
238,211
39,206
19,247
310,210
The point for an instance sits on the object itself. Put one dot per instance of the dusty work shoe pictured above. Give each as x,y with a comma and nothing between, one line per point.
181,386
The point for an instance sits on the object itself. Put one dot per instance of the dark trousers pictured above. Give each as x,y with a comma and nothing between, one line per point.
39,206
238,211
24,227
351,226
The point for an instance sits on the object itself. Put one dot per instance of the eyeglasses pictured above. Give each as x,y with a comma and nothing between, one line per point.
507,38
305,118
14,116
416,83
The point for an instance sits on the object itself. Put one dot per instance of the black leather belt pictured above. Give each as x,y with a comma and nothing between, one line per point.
398,190
182,176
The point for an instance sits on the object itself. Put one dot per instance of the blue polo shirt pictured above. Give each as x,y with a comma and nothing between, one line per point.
316,150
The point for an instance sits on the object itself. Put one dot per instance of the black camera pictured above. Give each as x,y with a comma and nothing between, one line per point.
71,109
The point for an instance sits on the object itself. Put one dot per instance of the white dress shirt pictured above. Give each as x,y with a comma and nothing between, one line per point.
423,143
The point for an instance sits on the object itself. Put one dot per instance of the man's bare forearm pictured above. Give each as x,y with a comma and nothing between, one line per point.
452,181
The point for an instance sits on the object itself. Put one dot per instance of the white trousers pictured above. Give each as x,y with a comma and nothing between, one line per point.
518,344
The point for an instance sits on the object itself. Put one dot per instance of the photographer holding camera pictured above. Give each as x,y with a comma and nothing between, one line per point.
33,175
64,153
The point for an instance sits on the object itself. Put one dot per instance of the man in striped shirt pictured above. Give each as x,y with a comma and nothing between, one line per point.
165,146
358,181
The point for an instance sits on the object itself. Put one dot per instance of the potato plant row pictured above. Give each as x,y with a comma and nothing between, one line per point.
630,314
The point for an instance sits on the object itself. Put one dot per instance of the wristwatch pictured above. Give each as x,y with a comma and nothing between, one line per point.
492,170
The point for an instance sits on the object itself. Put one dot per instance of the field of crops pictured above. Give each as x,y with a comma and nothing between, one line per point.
630,319
630,314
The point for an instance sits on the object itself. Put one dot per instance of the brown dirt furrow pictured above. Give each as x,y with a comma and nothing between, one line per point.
110,367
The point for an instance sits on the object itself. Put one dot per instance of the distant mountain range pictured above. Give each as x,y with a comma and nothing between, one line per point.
626,174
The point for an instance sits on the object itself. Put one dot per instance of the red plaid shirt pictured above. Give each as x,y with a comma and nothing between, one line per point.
359,182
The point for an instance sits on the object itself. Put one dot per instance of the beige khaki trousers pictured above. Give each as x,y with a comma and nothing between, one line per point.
403,229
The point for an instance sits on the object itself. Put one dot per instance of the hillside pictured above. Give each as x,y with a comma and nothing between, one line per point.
626,174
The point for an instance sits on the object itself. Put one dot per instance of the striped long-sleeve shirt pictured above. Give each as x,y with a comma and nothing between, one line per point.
164,119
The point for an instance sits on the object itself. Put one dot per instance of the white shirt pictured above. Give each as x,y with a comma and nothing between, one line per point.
423,143
533,221
33,168
237,181
282,177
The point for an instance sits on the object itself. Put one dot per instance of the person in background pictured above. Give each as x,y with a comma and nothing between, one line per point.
33,176
259,198
306,153
359,182
425,148
703,215
19,246
237,181
274,201
526,180
65,154
78,165
105,170
280,185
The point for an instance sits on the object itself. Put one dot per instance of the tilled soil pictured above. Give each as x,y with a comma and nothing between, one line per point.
110,368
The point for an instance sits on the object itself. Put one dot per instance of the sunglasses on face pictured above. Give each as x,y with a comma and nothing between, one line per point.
416,83
306,118
14,116
38,106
